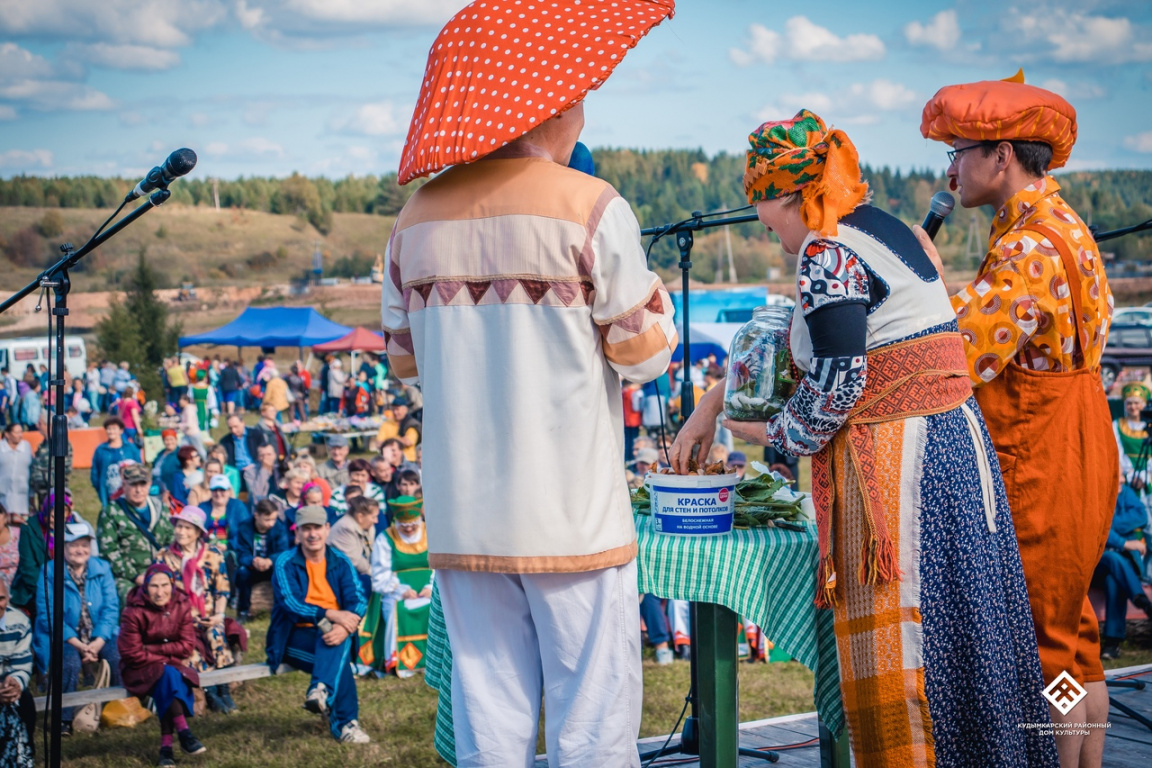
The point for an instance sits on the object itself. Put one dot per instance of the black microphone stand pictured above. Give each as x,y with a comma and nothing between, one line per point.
56,278
703,618
1100,237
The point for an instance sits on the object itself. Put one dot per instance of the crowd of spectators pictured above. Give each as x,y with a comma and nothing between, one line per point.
161,586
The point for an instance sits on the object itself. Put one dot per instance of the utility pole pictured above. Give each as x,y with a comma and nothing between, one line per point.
216,191
731,261
972,250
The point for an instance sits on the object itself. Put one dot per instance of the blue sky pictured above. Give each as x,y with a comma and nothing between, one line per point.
326,87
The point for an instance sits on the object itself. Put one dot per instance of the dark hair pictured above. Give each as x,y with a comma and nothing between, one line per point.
390,441
264,507
408,475
185,455
113,421
362,505
11,426
353,488
359,465
1034,156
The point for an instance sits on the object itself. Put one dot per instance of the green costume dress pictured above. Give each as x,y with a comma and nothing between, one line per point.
406,636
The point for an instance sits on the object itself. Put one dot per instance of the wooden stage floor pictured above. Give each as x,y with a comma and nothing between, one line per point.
1127,745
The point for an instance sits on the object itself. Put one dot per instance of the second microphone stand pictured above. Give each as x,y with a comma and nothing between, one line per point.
711,730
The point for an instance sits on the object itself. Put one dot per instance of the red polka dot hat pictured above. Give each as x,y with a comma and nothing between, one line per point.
499,68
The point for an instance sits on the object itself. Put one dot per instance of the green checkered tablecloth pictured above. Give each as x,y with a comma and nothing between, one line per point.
766,575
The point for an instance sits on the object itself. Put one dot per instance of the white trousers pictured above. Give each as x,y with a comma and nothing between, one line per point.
573,638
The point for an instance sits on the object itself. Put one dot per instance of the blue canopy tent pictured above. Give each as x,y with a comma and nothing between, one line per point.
272,327
709,339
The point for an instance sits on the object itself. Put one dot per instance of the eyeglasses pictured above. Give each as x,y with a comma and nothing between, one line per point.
952,153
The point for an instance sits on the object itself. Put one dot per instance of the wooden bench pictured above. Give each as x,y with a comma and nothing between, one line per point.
212,677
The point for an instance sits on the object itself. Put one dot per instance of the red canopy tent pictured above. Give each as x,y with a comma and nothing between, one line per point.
359,340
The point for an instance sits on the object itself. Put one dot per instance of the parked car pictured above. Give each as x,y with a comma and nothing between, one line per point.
1132,316
1128,346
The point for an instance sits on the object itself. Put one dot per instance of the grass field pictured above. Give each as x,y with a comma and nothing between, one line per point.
271,729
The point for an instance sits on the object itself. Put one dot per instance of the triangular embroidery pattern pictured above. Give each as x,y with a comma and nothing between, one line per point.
567,292
402,340
423,289
504,288
478,289
588,289
535,288
632,322
655,304
448,289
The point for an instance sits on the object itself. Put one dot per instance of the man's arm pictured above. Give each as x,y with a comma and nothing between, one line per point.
394,319
282,593
631,307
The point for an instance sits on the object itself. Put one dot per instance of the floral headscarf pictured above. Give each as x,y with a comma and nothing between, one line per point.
803,155
154,570
45,515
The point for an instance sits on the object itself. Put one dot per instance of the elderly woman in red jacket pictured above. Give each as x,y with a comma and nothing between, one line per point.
157,639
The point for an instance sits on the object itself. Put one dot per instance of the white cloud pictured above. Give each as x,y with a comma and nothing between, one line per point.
200,119
855,105
131,118
1071,37
763,46
809,41
7,112
805,41
380,118
364,154
309,22
31,80
1141,142
374,11
163,23
884,94
942,32
22,158
16,63
141,57
50,95
258,146
1077,91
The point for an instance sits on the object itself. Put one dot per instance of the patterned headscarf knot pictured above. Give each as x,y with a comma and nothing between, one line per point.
804,155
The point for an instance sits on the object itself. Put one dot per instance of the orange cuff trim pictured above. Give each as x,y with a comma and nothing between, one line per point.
640,348
403,365
543,564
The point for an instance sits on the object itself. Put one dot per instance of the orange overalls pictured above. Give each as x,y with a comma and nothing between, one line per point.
1053,436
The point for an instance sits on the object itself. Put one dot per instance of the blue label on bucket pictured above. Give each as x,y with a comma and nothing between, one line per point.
693,511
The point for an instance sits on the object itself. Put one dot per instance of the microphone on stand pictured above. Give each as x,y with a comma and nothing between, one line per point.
942,205
178,163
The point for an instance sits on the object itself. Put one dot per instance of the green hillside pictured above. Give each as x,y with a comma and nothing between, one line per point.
266,229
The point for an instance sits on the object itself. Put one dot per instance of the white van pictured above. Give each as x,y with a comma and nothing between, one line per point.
17,354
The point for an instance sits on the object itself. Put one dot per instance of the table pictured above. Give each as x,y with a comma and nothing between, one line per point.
356,435
764,574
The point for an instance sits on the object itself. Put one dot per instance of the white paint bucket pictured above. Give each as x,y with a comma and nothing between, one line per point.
692,505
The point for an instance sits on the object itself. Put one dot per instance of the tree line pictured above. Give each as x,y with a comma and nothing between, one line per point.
661,185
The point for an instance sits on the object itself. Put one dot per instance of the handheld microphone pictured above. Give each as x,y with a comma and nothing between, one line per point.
942,205
178,163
